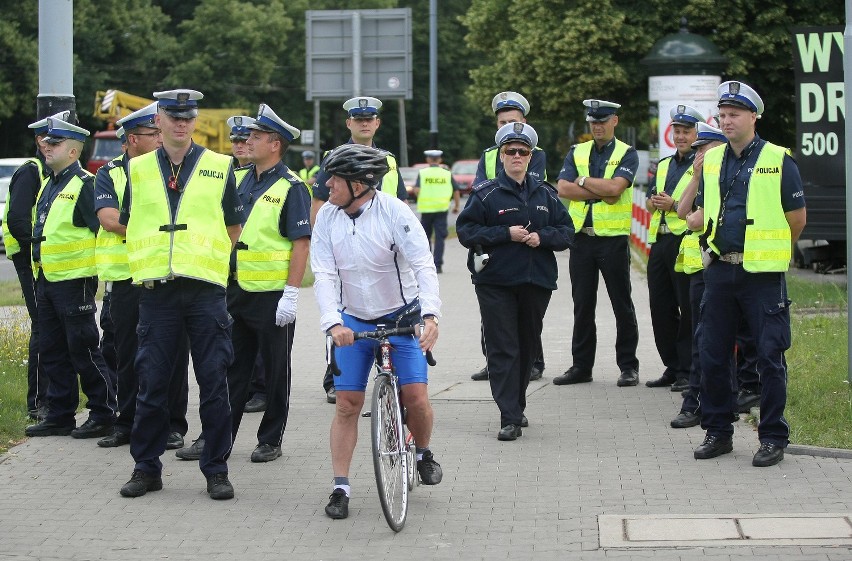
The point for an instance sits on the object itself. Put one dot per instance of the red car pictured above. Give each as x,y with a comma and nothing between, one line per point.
463,173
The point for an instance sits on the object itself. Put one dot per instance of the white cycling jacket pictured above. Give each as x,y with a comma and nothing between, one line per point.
373,264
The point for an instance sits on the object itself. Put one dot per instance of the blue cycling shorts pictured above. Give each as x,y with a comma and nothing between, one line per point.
356,361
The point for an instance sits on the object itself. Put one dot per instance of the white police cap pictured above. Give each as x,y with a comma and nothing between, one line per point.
510,100
268,121
40,126
685,115
121,135
59,130
308,154
142,118
516,132
599,111
433,153
707,134
362,106
240,126
181,103
738,94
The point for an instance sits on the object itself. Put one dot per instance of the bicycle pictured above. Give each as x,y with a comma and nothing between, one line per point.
394,450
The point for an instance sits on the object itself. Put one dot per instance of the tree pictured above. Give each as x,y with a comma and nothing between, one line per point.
559,53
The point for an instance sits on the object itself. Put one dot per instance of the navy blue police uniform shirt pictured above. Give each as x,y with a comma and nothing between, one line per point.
105,193
84,209
231,205
23,192
735,174
320,189
537,167
597,167
295,219
678,166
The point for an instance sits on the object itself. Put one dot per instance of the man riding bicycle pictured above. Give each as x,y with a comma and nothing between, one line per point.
372,265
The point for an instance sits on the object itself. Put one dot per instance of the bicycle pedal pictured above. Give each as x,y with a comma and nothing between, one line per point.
366,413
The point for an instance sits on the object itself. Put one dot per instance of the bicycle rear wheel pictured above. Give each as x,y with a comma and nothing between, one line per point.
390,457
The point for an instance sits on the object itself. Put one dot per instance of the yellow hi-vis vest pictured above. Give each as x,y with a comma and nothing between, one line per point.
675,224
608,220
390,182
263,256
67,251
196,244
110,249
241,172
305,173
689,255
13,246
491,162
436,189
768,241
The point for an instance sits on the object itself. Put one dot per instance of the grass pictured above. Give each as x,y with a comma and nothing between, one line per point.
14,337
816,295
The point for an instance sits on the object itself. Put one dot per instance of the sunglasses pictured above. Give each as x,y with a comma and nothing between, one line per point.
517,151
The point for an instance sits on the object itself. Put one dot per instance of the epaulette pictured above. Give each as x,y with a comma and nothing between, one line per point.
242,167
484,184
550,185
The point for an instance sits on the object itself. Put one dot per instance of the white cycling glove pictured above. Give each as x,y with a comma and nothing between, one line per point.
286,312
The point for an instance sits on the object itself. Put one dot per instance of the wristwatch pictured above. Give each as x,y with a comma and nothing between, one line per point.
432,317
582,181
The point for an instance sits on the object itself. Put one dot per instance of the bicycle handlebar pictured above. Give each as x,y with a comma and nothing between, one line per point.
378,334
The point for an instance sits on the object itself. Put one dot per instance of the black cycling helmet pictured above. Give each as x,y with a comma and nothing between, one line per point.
355,162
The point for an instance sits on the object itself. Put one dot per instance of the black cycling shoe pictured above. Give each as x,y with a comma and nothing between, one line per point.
430,471
338,505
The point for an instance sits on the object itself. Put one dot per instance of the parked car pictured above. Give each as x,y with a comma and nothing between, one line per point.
9,165
409,177
463,173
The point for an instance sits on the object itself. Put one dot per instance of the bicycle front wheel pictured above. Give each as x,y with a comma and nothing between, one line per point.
390,457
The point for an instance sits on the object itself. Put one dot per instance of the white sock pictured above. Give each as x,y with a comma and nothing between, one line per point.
345,488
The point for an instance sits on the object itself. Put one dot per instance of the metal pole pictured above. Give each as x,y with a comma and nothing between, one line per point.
55,58
317,129
433,73
403,139
356,54
847,85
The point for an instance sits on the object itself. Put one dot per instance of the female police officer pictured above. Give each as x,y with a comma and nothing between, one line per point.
519,222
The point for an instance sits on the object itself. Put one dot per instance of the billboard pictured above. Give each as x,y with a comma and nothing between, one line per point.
820,107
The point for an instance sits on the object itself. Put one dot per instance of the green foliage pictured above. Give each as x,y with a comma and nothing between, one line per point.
14,337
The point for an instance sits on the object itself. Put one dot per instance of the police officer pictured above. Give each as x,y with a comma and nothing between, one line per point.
142,135
308,174
753,211
510,107
63,250
239,134
363,121
183,217
435,188
24,188
597,176
519,221
668,290
267,270
257,396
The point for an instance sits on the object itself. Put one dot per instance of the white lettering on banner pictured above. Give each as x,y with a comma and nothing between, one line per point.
815,101
816,47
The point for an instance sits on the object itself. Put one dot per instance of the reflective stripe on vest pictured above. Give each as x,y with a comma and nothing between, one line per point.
265,265
68,251
768,241
675,224
689,255
436,189
110,249
199,246
608,220
12,245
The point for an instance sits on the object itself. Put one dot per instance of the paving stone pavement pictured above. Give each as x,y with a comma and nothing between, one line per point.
591,450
